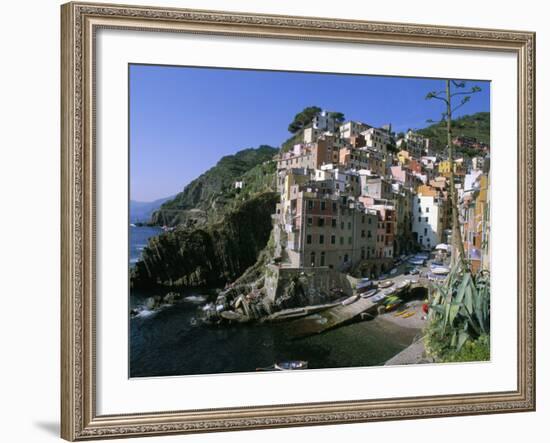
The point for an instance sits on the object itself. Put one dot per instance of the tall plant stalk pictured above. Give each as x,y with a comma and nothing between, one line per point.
458,255
457,242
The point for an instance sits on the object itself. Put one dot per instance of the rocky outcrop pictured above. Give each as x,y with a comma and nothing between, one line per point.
295,287
211,255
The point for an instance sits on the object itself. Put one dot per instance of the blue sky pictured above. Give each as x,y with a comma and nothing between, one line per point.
182,120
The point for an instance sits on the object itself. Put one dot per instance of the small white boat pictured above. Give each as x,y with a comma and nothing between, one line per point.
291,365
231,315
350,300
369,293
440,271
385,284
195,298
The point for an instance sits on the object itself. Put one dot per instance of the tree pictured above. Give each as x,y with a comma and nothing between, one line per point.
446,97
337,116
303,118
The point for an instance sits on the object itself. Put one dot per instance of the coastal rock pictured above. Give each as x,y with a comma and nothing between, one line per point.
153,302
171,297
208,256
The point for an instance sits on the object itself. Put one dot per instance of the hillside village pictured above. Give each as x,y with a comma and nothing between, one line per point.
354,197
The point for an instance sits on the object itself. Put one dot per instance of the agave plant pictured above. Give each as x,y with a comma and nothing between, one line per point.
460,307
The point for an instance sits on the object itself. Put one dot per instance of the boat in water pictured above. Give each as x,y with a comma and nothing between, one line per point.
195,298
289,365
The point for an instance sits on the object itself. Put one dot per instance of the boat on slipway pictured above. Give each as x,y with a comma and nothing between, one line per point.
370,293
385,284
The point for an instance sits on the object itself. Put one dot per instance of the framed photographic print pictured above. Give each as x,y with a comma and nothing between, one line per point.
283,221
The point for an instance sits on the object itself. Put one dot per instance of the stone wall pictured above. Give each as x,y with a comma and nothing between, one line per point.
292,287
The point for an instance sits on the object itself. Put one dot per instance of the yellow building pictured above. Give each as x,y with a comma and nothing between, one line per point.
403,157
444,167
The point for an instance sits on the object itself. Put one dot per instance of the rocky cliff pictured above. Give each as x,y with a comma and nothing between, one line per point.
212,254
212,194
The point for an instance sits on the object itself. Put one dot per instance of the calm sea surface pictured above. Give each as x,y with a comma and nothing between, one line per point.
171,342
139,235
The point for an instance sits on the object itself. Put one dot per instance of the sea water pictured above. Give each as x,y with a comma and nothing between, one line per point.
172,341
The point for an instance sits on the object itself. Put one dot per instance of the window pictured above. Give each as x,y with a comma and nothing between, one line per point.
312,259
308,239
322,259
369,234
362,219
363,233
333,222
323,206
321,222
322,239
341,225
310,221
332,239
362,253
310,204
427,219
341,240
349,225
349,240
334,207
370,220
425,231
419,219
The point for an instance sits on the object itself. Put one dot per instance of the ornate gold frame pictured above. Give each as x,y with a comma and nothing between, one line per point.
79,420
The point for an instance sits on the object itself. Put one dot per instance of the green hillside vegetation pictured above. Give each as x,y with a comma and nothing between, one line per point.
209,196
477,126
293,140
